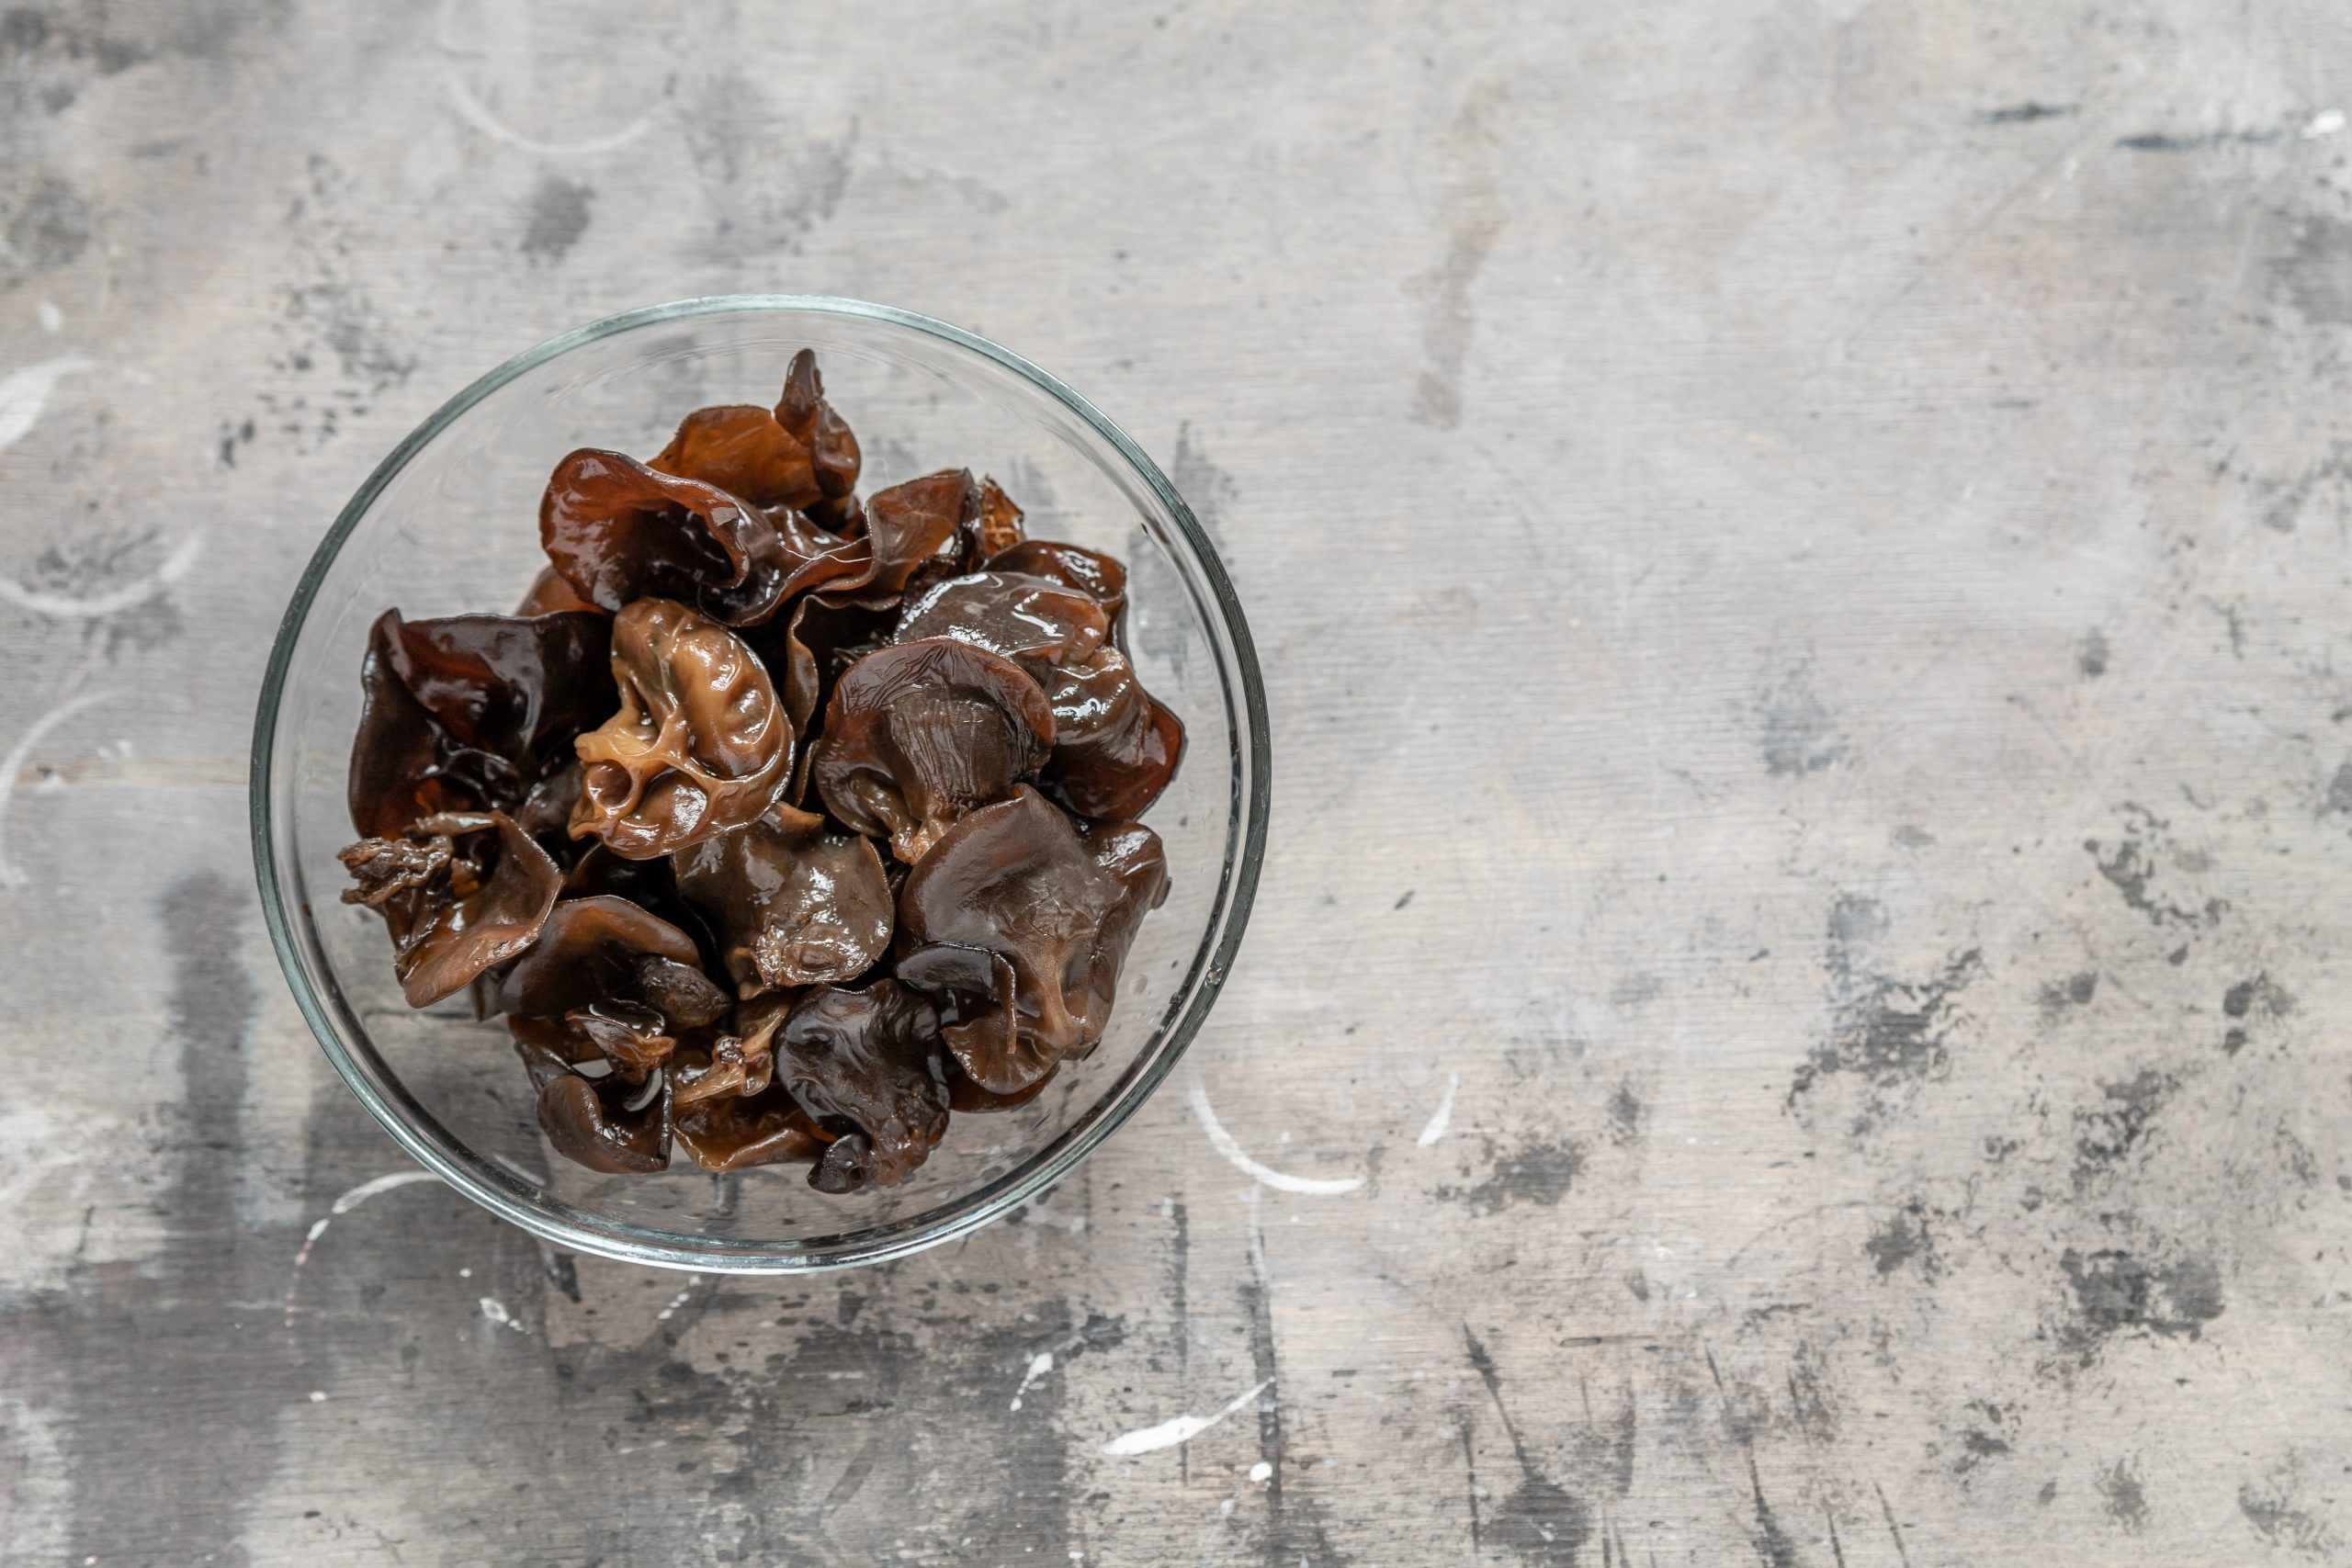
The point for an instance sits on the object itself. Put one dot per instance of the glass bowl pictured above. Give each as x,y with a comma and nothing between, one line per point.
449,524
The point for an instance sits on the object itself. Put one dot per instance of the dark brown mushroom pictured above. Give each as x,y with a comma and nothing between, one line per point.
1025,921
618,531
999,521
1099,576
549,592
619,1129
591,949
794,902
1033,621
460,893
634,1038
912,523
742,450
737,1063
807,649
1115,745
834,457
699,747
846,1164
738,1134
963,1096
469,712
869,1063
918,734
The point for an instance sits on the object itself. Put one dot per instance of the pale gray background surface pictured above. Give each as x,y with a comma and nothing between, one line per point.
1800,551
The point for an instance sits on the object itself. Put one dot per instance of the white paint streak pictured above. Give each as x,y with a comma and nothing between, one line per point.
20,753
475,113
1039,1365
1261,1472
1221,1141
87,608
37,1508
2327,123
679,1300
495,1310
1182,1429
24,394
1443,1117
342,1205
52,320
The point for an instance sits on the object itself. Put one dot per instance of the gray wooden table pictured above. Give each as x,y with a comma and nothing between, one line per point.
1801,552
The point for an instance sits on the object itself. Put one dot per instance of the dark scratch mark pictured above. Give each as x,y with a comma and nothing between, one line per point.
1405,900
1836,1547
2024,113
1180,1264
1901,1551
1773,1547
1541,1520
1470,1470
2161,142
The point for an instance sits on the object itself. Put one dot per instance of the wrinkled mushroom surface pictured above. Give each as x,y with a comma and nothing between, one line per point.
794,901
617,531
471,711
868,1062
1049,910
834,457
754,1130
645,817
1115,745
460,893
610,1126
591,949
918,734
700,745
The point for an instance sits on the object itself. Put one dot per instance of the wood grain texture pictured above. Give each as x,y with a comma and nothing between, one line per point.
1799,548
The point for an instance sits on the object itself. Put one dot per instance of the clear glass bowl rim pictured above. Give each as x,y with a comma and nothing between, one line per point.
619,1239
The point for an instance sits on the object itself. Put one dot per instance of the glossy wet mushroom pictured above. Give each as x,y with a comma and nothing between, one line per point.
910,662
700,745
1115,745
834,460
795,900
738,1134
617,531
602,948
869,1063
461,892
918,734
1024,921
471,711
608,1125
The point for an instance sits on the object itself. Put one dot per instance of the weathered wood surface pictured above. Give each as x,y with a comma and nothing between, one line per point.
1801,552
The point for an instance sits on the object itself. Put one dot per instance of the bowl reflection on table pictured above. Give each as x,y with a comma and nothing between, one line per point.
449,524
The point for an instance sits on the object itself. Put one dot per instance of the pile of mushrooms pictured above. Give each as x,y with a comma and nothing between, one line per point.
778,822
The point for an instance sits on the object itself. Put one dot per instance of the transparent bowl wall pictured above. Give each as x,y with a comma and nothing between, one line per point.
449,524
